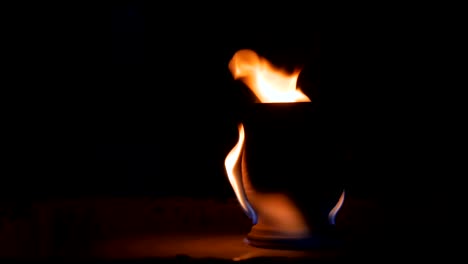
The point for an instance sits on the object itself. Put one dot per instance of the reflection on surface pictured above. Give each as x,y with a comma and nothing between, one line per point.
229,247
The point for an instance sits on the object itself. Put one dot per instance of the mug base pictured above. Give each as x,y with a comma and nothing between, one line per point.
287,243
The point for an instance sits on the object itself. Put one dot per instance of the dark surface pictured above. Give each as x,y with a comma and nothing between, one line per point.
142,228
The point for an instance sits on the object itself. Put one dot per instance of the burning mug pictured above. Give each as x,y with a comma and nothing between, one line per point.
283,168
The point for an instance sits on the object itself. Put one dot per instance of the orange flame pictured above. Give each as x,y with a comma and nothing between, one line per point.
233,167
269,84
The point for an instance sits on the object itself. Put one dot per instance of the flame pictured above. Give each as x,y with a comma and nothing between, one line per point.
336,208
269,84
233,167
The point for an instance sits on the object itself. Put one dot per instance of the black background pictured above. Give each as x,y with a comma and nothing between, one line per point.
171,107
143,102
